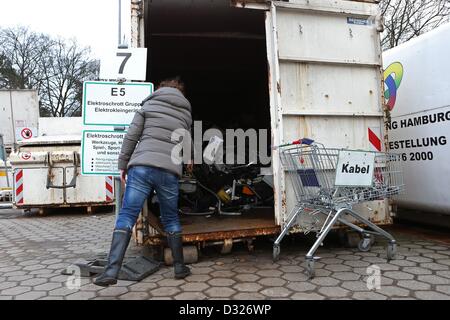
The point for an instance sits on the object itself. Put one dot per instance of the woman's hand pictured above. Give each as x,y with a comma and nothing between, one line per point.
190,167
123,176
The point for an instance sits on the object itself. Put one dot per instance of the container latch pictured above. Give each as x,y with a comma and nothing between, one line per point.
73,182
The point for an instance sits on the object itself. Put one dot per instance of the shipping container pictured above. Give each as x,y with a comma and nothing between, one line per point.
417,75
296,68
46,174
19,114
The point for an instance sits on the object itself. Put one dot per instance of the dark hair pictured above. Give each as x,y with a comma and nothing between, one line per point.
175,82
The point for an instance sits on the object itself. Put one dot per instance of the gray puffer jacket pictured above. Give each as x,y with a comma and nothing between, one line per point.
148,140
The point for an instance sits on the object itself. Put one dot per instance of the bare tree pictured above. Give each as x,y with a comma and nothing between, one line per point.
65,67
55,67
406,19
8,76
24,49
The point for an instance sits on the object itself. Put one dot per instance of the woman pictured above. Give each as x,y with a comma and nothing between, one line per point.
146,163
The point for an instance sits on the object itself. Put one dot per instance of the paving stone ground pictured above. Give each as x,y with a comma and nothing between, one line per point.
34,250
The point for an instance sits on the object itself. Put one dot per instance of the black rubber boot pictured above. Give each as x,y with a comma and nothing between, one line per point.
119,244
176,245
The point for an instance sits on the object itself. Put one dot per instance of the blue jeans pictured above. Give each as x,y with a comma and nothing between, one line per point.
141,182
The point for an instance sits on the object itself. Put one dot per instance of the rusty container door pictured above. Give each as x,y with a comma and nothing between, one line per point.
325,83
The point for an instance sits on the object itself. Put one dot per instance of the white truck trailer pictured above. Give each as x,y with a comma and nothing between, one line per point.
19,115
298,68
417,76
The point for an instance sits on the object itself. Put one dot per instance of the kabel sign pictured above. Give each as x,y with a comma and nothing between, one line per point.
355,169
347,168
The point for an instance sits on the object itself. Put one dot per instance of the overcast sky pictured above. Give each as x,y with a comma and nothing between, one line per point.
92,22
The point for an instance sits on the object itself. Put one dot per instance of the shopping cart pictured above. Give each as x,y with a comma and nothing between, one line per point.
330,182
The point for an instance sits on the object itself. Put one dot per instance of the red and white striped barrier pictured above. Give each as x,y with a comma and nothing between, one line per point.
18,178
375,138
109,183
376,145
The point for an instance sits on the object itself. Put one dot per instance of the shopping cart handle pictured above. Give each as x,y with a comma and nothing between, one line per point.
305,141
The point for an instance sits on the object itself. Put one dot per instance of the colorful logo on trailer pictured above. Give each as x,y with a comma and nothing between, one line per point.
393,76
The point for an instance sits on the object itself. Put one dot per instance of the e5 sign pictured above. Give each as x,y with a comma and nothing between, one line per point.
111,104
118,92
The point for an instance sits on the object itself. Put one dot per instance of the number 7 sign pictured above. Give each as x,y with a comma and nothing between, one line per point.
129,64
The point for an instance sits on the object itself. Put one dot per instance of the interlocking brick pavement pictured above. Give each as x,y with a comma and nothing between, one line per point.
34,250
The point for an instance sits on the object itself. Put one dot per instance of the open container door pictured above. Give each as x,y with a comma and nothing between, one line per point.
325,82
220,53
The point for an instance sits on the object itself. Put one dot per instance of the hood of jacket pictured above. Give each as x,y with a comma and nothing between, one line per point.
171,96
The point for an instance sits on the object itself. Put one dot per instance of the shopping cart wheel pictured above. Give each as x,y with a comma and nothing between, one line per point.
310,271
391,251
276,253
365,244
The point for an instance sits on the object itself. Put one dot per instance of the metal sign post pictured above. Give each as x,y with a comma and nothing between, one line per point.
122,44
118,194
118,190
117,180
120,23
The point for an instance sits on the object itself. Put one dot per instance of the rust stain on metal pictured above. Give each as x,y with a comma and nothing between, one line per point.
303,127
269,74
51,175
217,236
283,200
61,157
